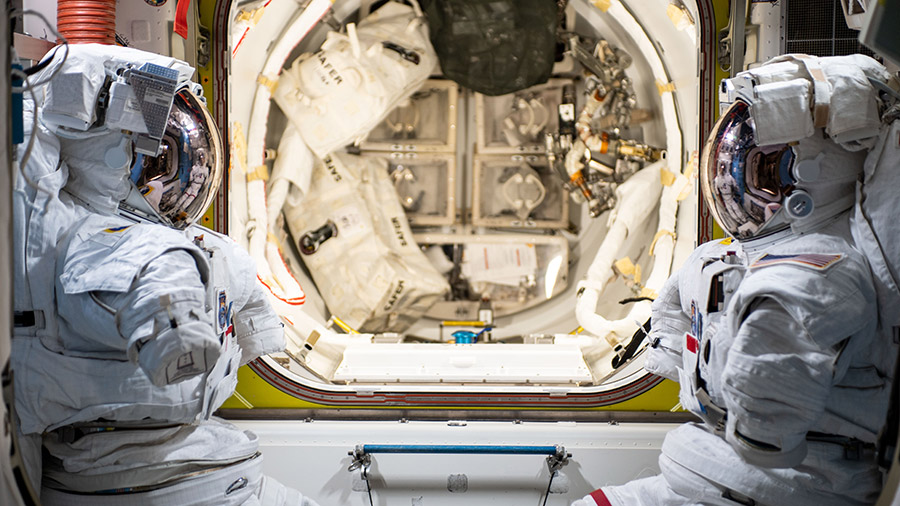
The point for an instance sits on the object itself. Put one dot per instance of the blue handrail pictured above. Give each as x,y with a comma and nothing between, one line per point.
463,449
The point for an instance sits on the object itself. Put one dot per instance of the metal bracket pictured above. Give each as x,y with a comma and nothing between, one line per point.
731,39
361,460
558,460
203,45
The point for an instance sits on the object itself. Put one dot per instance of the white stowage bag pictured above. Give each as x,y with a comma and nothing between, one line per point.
356,242
338,94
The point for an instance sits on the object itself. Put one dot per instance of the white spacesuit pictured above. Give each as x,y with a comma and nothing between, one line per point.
773,336
131,322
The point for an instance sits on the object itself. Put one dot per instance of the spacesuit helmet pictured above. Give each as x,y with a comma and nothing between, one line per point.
182,180
744,183
790,143
135,130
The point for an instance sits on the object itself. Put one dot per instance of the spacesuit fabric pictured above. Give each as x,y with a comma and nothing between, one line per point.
105,315
783,340
222,284
129,333
39,218
117,390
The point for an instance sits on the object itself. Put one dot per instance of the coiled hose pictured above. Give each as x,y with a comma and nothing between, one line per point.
87,21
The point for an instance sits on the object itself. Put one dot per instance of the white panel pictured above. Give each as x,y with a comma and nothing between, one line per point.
313,458
467,363
146,27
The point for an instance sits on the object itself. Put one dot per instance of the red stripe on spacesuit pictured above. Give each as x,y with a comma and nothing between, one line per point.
691,343
600,498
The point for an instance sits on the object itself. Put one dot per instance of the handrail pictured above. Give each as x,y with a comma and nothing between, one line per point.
362,456
463,449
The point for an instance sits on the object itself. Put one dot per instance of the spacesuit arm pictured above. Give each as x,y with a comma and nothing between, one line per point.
775,384
163,317
257,327
668,323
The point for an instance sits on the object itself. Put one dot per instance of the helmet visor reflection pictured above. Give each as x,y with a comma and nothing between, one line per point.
181,182
744,184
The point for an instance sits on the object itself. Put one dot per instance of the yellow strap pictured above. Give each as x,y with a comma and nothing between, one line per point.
343,325
659,234
625,266
685,192
663,88
603,5
689,171
239,145
679,16
462,323
260,173
612,340
667,177
649,293
253,16
257,14
692,165
272,84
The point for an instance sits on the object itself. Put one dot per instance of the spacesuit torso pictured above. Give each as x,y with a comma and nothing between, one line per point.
776,351
134,311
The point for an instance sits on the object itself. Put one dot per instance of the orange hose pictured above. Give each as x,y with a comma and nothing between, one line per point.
87,21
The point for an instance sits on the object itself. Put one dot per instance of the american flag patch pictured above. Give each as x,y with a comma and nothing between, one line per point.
691,343
812,260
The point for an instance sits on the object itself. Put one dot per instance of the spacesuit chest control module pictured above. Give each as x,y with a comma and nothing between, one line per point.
780,336
139,319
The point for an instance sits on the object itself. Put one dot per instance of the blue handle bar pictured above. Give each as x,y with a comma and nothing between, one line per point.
462,449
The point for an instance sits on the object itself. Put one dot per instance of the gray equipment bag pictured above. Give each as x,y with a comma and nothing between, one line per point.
494,47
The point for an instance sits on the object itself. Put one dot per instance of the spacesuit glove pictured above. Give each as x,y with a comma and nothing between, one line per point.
668,324
178,353
595,498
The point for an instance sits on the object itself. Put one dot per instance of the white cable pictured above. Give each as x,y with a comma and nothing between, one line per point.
637,198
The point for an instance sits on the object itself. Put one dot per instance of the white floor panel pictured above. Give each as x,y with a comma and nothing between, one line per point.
313,457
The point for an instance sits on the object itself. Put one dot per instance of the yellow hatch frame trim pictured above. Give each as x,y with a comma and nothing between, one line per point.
254,392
